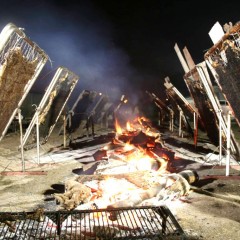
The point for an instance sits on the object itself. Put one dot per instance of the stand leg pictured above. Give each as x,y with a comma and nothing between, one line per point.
37,130
228,144
21,138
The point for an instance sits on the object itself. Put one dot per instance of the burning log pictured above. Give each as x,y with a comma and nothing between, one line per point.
138,132
139,145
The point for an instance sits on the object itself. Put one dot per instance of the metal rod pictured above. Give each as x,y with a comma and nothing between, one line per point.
194,120
171,121
228,143
64,131
159,118
195,128
37,131
180,123
21,138
220,136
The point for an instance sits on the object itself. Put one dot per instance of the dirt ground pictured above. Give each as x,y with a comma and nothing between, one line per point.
211,211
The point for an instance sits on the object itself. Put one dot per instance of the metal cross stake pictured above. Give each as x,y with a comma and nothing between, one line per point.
228,142
21,138
37,132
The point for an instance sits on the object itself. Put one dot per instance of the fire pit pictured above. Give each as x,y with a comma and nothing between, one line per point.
125,197
120,223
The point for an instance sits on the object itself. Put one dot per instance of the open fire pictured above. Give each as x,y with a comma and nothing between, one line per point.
124,198
135,171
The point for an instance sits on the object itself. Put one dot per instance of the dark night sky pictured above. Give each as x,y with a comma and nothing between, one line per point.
118,47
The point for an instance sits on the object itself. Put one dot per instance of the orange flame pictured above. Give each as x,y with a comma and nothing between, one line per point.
128,126
139,157
118,127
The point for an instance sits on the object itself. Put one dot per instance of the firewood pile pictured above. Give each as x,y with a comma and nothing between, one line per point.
132,170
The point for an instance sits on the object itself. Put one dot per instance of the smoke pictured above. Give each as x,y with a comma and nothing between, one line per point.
75,36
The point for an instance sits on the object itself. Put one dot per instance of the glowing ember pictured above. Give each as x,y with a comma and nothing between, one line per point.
128,147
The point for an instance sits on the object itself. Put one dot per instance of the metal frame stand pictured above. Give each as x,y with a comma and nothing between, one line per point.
228,142
22,152
37,136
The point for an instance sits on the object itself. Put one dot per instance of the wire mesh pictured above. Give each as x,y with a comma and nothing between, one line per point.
51,105
149,222
21,61
203,104
224,63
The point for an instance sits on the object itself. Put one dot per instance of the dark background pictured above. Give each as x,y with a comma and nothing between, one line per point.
119,47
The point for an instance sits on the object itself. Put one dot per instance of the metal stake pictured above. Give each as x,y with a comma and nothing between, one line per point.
228,143
220,136
37,131
180,123
21,138
64,131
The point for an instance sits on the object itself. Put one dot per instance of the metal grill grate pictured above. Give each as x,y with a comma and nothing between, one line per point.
122,223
